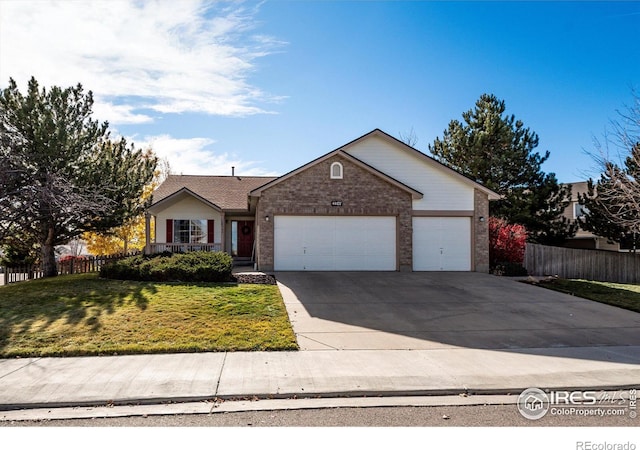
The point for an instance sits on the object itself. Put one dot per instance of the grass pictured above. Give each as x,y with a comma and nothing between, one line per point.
625,296
85,315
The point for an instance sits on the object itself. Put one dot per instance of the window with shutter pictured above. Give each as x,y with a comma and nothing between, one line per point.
189,231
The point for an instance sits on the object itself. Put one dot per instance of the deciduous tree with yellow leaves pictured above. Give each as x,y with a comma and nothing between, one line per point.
130,236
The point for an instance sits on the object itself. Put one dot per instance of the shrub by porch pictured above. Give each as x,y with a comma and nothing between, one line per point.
192,267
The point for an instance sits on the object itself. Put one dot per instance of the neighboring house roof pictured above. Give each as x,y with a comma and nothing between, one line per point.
414,194
579,187
223,192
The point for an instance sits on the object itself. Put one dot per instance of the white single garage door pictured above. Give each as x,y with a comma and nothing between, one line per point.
442,243
334,243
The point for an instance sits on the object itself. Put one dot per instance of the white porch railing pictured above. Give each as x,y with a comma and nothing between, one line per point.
185,248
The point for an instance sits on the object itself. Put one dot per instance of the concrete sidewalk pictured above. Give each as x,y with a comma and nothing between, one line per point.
148,379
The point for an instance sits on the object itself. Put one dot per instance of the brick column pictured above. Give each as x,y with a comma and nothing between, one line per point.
481,231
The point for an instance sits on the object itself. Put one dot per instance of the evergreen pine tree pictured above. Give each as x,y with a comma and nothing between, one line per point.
496,150
60,173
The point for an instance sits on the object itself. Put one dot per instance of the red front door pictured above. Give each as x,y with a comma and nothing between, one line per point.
245,238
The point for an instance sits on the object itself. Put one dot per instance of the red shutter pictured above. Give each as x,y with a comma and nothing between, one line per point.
210,238
169,239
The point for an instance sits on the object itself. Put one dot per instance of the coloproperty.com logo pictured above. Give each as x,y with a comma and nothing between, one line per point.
534,403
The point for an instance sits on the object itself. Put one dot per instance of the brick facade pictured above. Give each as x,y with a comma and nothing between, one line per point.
311,191
480,231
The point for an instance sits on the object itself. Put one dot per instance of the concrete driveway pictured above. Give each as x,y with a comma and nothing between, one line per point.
436,310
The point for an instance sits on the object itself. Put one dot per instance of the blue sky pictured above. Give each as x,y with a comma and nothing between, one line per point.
269,86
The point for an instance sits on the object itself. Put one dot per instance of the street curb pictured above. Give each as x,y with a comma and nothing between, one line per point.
250,405
306,395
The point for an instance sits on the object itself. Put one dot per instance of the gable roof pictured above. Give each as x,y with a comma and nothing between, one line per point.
231,192
221,192
414,193
179,195
424,157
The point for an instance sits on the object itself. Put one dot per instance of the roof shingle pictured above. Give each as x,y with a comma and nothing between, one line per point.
228,192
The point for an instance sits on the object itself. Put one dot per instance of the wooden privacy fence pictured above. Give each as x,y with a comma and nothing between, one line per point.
596,265
65,266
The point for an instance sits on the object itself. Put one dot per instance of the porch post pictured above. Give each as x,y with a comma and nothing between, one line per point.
147,233
223,227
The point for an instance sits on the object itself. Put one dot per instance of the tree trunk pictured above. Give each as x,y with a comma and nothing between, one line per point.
49,268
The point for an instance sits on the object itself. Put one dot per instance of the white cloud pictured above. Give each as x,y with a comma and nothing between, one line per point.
119,114
193,156
163,55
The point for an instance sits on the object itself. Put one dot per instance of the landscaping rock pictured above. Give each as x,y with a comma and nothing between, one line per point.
254,278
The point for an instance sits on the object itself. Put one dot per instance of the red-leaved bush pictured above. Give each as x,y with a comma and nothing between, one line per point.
506,242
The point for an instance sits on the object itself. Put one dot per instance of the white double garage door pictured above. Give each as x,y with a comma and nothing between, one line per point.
369,243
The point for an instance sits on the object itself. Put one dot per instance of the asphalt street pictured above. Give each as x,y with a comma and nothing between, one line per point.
429,416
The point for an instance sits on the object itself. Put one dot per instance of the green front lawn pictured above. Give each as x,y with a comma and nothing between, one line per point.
86,315
625,296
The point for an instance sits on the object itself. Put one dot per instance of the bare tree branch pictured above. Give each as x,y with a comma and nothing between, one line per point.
614,200
410,138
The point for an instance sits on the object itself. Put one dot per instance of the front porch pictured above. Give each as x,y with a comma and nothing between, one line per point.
240,264
218,217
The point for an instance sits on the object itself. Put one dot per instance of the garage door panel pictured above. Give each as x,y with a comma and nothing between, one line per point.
350,242
295,237
441,243
334,243
383,248
346,262
323,248
290,262
318,235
